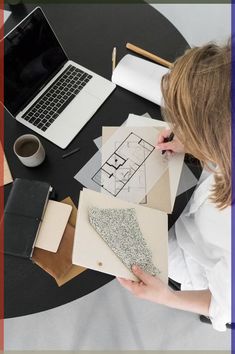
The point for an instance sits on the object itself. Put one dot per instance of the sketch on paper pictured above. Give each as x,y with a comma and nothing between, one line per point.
127,166
128,158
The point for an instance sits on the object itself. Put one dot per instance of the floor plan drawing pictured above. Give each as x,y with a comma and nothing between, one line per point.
127,166
128,158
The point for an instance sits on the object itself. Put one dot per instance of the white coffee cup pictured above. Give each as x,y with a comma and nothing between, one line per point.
29,150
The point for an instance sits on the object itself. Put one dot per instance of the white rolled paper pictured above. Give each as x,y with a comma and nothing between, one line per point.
140,77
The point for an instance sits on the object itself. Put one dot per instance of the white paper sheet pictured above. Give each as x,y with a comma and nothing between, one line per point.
98,142
140,77
187,178
6,14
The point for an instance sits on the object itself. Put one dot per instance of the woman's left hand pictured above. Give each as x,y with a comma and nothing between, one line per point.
149,288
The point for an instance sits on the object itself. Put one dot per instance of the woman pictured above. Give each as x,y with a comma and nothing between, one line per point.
197,104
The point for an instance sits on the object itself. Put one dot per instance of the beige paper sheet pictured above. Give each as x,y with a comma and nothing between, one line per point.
7,177
53,225
7,173
92,252
59,264
162,195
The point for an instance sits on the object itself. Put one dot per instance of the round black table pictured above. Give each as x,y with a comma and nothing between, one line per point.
88,33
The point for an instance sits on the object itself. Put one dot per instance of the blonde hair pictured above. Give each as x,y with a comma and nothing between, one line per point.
197,101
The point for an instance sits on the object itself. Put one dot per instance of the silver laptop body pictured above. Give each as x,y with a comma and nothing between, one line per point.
43,71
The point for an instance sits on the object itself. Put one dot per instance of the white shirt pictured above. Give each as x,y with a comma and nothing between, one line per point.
200,251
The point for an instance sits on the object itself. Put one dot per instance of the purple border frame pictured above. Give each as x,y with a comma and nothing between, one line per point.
233,167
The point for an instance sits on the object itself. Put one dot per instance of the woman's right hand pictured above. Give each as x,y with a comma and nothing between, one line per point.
172,146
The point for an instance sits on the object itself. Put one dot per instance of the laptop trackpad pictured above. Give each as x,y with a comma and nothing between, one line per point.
74,116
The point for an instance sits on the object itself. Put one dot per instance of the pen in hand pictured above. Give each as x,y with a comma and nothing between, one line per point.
166,140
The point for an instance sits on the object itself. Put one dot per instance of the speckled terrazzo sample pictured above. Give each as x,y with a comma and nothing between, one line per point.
119,228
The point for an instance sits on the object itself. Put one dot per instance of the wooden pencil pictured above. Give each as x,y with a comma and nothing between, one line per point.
148,55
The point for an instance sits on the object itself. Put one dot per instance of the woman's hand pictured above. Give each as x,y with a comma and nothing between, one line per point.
172,146
153,289
149,288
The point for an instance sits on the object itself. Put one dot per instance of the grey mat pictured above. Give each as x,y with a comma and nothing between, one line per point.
112,319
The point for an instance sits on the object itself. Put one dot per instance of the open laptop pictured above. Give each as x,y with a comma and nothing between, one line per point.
43,89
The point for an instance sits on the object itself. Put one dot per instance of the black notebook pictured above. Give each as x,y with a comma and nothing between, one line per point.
23,215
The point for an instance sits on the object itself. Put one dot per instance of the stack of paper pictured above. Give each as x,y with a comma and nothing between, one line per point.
130,168
121,152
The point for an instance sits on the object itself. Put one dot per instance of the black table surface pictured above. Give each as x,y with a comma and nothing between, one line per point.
88,33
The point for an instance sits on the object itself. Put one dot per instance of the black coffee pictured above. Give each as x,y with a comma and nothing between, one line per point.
27,148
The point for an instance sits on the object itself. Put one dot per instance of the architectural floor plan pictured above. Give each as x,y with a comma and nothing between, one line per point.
127,166
120,167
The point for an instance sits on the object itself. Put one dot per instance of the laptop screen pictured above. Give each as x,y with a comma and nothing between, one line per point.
32,56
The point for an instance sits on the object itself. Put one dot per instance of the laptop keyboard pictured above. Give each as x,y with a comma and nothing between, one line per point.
57,97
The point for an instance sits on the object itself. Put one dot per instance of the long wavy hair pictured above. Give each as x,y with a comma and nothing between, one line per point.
197,103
